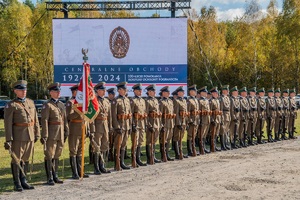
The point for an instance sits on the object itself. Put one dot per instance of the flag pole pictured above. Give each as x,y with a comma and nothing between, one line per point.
82,144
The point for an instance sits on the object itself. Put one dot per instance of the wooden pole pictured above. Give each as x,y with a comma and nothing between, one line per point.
82,153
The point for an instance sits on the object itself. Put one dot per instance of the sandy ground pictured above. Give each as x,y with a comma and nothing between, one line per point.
269,171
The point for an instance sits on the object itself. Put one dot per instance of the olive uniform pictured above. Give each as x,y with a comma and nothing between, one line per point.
285,113
253,115
293,115
279,116
111,97
261,111
245,108
226,118
271,114
235,109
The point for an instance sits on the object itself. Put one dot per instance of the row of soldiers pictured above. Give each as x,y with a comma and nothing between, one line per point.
236,119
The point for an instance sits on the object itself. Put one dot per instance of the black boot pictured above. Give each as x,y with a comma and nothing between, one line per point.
96,163
216,147
189,147
48,167
74,167
138,157
55,165
167,152
283,137
126,156
176,149
223,145
79,159
122,164
91,154
23,180
197,141
101,163
148,154
205,149
155,159
16,177
270,139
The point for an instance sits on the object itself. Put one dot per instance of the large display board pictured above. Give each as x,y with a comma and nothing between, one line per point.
145,50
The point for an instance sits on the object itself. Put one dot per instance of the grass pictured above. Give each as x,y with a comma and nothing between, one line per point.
39,176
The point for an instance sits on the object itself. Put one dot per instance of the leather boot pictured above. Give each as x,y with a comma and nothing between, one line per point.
122,164
216,147
205,149
270,139
293,135
223,146
138,157
250,140
189,147
74,167
176,149
155,159
276,137
55,165
111,155
201,147
96,164
197,141
167,152
283,137
91,154
242,144
79,159
117,160
162,153
23,180
148,154
48,167
16,177
126,156
101,163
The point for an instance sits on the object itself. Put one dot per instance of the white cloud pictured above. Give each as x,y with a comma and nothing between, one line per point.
230,14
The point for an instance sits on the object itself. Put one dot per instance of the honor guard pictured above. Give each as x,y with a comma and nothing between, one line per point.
103,126
279,114
235,109
293,114
285,113
22,130
139,115
55,131
261,111
121,123
193,120
226,118
153,124
271,113
253,115
245,108
111,97
75,135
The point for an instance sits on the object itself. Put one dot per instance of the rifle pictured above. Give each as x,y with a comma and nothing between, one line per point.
133,148
244,133
212,140
117,150
193,141
235,133
163,135
280,129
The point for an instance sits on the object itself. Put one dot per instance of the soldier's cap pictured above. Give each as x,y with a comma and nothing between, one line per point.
203,89
286,91
192,87
54,86
151,87
225,87
292,90
122,85
261,90
111,91
180,89
20,85
234,89
175,92
214,89
252,89
270,90
137,86
100,86
74,87
165,89
277,90
243,89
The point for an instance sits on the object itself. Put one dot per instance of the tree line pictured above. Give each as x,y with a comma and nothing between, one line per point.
258,49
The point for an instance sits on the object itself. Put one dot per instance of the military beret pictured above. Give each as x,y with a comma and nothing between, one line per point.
180,89
165,89
74,87
225,87
175,92
252,89
111,91
137,86
100,86
261,90
192,87
286,91
270,90
20,85
277,90
203,89
54,86
293,90
234,89
214,89
243,89
122,85
151,87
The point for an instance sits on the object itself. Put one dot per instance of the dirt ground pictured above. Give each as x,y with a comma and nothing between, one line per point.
269,171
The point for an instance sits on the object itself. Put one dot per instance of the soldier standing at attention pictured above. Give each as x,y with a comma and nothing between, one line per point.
285,113
138,109
271,113
111,97
75,136
55,131
180,109
235,109
245,108
252,115
153,124
261,111
226,118
293,114
22,130
121,123
279,114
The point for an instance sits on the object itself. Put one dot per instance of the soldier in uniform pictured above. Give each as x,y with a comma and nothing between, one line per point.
55,131
261,111
180,109
203,128
111,97
22,130
103,126
279,114
293,114
252,115
121,123
166,107
138,109
153,124
226,118
75,135
285,113
245,108
271,113
193,120
235,109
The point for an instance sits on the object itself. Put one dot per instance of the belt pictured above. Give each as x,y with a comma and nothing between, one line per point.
195,112
216,112
76,120
24,124
225,110
206,112
155,115
184,114
254,109
55,123
124,116
139,116
101,118
169,116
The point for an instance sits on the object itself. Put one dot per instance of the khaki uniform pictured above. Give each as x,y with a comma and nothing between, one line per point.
293,115
271,114
253,115
204,107
279,114
193,118
166,107
261,112
285,113
226,118
245,108
138,109
216,114
153,120
180,109
235,109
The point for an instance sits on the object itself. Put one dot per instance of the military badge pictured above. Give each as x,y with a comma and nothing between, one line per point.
119,42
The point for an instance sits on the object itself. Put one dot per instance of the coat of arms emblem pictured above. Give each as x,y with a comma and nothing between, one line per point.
119,42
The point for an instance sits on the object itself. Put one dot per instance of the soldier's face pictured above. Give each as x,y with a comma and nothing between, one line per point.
270,94
235,93
285,94
166,94
192,93
21,93
293,94
243,94
74,92
111,96
252,94
137,92
180,93
215,94
261,94
151,93
203,94
55,94
277,94
101,93
122,91
225,92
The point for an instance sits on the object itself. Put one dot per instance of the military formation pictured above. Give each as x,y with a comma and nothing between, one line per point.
234,117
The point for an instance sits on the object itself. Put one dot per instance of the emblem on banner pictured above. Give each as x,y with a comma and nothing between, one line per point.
119,42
